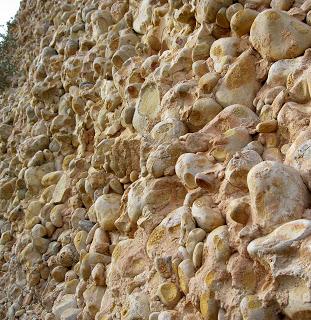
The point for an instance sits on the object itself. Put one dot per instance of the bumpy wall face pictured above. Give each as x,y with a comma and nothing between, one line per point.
155,161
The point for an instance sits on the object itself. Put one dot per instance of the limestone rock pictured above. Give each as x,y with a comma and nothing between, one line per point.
206,217
62,189
239,166
147,108
242,21
107,208
67,302
276,35
164,237
281,238
188,165
224,50
298,157
252,307
240,85
169,294
92,297
202,112
277,194
154,160
206,9
51,178
138,306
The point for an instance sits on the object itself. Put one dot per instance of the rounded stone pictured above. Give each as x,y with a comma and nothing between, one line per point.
58,273
206,217
169,294
267,28
107,208
277,194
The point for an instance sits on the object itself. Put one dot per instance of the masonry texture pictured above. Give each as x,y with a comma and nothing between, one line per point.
155,161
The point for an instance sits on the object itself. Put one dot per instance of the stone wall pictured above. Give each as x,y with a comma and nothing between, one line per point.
155,163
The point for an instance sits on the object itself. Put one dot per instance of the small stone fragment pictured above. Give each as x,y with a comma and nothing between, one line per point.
267,126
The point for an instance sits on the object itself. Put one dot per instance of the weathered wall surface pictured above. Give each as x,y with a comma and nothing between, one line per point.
155,161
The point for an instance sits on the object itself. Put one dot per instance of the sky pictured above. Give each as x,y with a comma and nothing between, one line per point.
8,9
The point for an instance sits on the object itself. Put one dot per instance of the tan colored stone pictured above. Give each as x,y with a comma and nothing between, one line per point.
205,216
169,294
265,35
242,21
62,190
267,126
240,84
107,208
277,194
185,273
